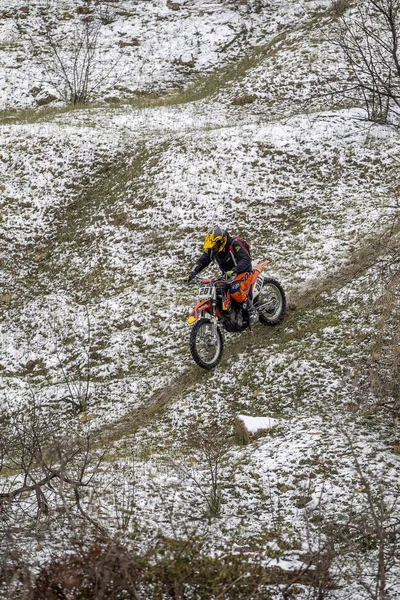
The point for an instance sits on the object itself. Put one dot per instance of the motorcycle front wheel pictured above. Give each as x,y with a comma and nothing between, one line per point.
271,302
205,346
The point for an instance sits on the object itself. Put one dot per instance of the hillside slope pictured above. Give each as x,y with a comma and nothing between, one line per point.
104,210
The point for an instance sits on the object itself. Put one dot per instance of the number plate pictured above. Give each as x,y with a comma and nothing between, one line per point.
259,284
207,291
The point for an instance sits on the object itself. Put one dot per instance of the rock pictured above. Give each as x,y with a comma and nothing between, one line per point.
85,418
44,100
134,42
173,5
247,427
245,99
112,99
255,424
35,91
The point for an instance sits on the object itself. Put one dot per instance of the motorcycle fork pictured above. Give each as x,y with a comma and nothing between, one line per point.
214,320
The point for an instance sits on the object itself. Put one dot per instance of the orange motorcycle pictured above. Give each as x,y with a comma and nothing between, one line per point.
216,307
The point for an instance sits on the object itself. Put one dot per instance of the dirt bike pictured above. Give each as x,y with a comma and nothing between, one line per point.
216,307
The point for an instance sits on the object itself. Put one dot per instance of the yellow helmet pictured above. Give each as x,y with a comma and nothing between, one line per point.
216,238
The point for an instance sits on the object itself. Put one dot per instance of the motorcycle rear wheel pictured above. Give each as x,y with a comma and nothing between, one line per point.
206,351
273,295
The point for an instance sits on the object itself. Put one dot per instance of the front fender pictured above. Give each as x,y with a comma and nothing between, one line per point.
203,306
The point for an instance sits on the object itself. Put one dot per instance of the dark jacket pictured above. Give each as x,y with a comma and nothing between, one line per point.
234,258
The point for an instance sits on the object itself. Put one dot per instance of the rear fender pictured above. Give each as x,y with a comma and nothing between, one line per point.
198,310
258,268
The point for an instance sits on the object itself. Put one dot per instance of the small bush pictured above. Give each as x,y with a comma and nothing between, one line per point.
172,569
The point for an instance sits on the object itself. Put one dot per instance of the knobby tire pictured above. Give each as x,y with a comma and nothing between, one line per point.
193,337
279,317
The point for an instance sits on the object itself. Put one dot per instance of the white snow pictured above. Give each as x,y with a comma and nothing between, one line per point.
254,424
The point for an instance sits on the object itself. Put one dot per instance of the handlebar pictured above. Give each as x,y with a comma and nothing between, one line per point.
204,281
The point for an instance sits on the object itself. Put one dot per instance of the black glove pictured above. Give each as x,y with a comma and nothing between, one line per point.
191,276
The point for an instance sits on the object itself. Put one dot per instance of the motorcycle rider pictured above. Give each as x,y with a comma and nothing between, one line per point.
234,260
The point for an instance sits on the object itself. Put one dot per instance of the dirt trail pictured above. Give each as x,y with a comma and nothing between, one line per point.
364,258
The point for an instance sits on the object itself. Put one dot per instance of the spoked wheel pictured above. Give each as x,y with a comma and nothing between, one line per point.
205,345
271,302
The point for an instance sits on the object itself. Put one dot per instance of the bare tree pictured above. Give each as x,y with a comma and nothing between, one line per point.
44,469
69,52
368,35
46,475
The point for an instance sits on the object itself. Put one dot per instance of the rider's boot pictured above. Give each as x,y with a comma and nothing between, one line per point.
251,311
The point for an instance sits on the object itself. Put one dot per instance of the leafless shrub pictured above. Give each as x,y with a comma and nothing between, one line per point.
368,35
16,580
125,500
209,446
69,52
76,370
384,367
107,15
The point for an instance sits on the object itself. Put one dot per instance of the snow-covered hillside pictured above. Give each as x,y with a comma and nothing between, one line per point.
152,46
103,212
